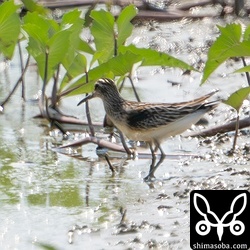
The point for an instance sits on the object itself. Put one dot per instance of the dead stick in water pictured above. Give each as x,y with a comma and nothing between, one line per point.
222,128
100,142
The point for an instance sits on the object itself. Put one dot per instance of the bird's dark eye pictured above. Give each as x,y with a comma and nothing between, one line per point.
97,86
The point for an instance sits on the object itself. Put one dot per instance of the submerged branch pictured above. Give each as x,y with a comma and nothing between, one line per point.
243,123
100,142
118,148
57,116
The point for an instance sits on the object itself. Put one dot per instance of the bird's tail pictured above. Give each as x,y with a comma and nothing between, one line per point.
211,105
205,97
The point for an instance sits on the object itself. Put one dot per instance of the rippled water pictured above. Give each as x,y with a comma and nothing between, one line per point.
51,198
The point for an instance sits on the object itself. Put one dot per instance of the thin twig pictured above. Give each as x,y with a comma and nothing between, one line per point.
134,89
54,90
22,69
239,7
247,73
60,127
115,45
236,131
122,85
17,83
91,127
123,213
66,92
42,99
109,163
90,124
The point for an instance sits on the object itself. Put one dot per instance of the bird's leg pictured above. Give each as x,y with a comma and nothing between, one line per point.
154,166
149,176
108,123
158,146
152,171
163,155
155,149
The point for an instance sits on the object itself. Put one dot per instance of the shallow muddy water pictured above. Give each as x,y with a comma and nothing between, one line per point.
54,199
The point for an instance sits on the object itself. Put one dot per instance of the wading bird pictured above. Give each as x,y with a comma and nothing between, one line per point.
149,122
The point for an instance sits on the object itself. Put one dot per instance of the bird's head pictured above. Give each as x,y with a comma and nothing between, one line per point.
105,88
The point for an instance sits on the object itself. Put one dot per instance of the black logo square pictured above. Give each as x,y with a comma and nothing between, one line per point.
219,219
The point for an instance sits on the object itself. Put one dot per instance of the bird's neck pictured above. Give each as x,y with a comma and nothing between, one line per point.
113,103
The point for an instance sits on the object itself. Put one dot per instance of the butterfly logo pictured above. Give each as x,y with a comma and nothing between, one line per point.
203,227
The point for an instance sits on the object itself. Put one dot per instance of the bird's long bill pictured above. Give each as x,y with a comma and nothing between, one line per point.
88,97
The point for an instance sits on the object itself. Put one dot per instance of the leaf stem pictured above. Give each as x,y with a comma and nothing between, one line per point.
247,73
134,89
91,127
54,90
236,131
22,69
42,99
115,46
17,83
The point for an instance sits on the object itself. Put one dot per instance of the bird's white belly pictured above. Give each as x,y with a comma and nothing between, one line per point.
162,132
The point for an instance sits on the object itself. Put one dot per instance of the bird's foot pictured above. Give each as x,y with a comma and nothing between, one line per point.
149,178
